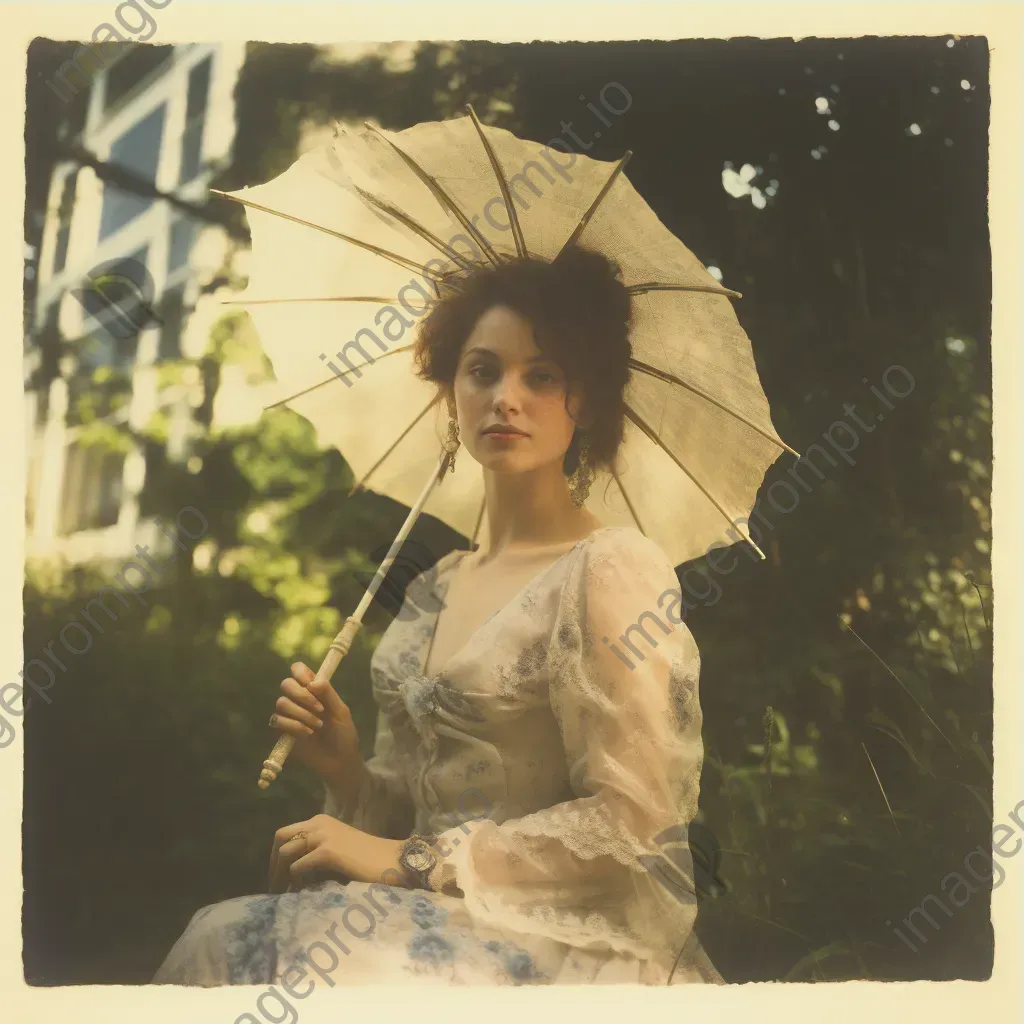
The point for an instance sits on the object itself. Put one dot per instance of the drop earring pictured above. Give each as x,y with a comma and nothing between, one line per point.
451,442
583,475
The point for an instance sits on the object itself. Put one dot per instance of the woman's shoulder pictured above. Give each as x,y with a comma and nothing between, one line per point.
626,546
619,561
622,577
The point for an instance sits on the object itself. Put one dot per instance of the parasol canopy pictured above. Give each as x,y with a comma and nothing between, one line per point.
354,241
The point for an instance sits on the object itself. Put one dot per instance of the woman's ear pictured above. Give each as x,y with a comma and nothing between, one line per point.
584,417
576,407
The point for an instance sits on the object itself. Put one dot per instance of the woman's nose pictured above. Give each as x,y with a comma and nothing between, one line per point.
508,393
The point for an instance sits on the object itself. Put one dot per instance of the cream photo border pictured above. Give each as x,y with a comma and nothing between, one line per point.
193,20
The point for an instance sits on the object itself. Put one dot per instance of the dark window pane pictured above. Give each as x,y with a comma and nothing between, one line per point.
195,117
172,312
132,68
49,340
183,234
111,478
49,336
198,89
71,487
138,151
61,251
42,405
156,467
91,497
191,151
67,203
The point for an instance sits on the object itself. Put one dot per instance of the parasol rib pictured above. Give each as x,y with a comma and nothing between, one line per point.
579,229
337,376
441,196
635,418
506,195
415,226
394,445
653,286
671,378
629,504
394,257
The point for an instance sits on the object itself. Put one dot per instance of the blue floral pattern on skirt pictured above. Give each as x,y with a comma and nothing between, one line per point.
417,935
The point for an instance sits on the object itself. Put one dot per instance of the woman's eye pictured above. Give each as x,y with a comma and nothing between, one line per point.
543,377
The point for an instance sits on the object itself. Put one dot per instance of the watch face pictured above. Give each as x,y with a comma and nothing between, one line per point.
419,859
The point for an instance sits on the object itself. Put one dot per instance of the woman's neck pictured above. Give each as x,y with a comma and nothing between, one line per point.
532,511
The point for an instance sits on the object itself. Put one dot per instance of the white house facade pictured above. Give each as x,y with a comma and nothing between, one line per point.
165,113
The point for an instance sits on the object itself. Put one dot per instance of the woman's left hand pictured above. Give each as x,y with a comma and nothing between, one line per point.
325,844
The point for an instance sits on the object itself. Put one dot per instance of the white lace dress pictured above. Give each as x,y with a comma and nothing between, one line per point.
557,754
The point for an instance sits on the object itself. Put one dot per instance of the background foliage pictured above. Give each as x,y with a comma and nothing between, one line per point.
857,659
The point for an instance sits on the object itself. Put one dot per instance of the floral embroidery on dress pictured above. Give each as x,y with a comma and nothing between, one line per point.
419,693
408,661
569,637
682,694
432,948
531,659
329,896
426,915
516,960
249,946
506,680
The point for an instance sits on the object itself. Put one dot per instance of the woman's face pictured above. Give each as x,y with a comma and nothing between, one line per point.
503,380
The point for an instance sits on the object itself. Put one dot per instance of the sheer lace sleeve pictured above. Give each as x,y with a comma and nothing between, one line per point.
623,675
384,806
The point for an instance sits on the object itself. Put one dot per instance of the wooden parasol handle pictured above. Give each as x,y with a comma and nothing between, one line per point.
340,646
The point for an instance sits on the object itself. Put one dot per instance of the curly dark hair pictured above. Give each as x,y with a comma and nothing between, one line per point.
580,312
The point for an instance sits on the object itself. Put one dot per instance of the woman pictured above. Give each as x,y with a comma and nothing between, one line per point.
511,693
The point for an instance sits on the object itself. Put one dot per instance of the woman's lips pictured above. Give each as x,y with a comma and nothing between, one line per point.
504,435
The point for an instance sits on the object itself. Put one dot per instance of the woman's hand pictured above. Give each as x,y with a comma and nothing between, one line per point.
324,844
326,739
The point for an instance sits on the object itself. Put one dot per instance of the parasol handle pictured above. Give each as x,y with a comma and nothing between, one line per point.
342,643
340,646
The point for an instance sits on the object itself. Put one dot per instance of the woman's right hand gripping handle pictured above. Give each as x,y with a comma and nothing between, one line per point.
325,737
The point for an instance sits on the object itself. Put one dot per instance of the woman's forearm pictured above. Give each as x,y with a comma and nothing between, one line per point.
345,787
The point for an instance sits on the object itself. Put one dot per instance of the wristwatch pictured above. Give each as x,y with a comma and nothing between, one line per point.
417,859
